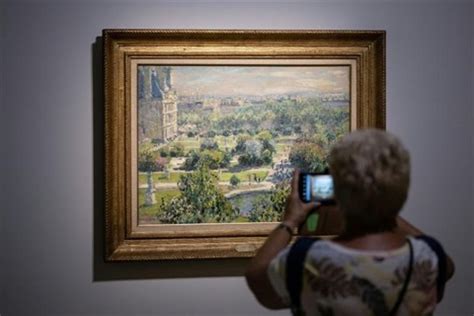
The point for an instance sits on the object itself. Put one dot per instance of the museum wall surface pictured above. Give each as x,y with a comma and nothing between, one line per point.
2,151
50,220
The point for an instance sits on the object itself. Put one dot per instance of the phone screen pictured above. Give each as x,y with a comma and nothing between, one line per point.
317,187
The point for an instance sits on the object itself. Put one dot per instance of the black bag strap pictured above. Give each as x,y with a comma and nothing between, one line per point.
405,285
294,271
442,263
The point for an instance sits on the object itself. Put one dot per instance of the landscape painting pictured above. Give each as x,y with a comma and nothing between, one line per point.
218,143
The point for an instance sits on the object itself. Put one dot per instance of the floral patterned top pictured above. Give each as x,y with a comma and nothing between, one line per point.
341,281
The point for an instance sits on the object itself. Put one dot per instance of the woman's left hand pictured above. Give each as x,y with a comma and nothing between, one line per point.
296,210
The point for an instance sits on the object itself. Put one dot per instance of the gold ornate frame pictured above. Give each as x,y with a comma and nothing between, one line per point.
125,239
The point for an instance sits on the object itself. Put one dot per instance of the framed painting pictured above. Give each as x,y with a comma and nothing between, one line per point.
204,127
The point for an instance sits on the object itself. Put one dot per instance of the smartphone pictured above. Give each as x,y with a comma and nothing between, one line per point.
316,187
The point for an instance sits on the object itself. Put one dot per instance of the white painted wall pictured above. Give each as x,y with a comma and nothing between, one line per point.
48,225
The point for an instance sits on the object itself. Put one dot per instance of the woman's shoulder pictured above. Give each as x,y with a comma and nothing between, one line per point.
424,248
428,244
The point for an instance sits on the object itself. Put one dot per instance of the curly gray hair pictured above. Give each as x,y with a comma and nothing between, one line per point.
371,171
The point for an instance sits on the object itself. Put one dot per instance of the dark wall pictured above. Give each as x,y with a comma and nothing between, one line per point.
49,112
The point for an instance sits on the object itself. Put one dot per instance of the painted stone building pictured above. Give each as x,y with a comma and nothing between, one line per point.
157,104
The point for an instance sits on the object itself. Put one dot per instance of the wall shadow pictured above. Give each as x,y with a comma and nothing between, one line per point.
107,271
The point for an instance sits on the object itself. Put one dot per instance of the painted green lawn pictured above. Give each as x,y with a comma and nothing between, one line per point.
160,177
285,139
281,147
224,142
153,210
241,219
188,143
243,175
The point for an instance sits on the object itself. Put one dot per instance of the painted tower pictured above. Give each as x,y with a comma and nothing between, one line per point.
157,104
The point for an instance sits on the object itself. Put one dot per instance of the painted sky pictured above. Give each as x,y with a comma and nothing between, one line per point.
259,80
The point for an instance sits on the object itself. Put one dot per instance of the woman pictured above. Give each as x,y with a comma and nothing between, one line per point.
378,265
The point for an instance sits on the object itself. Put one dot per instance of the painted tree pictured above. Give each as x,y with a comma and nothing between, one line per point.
254,153
209,143
214,159
270,208
234,181
266,138
148,160
200,200
309,156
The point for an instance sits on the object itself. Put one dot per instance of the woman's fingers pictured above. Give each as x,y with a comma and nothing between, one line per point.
295,181
308,207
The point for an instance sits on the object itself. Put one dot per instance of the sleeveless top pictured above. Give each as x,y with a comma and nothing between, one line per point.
341,281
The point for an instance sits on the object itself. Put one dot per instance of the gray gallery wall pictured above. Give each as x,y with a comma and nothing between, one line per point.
50,108
2,152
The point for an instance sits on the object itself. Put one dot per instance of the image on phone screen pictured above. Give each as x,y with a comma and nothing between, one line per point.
318,188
